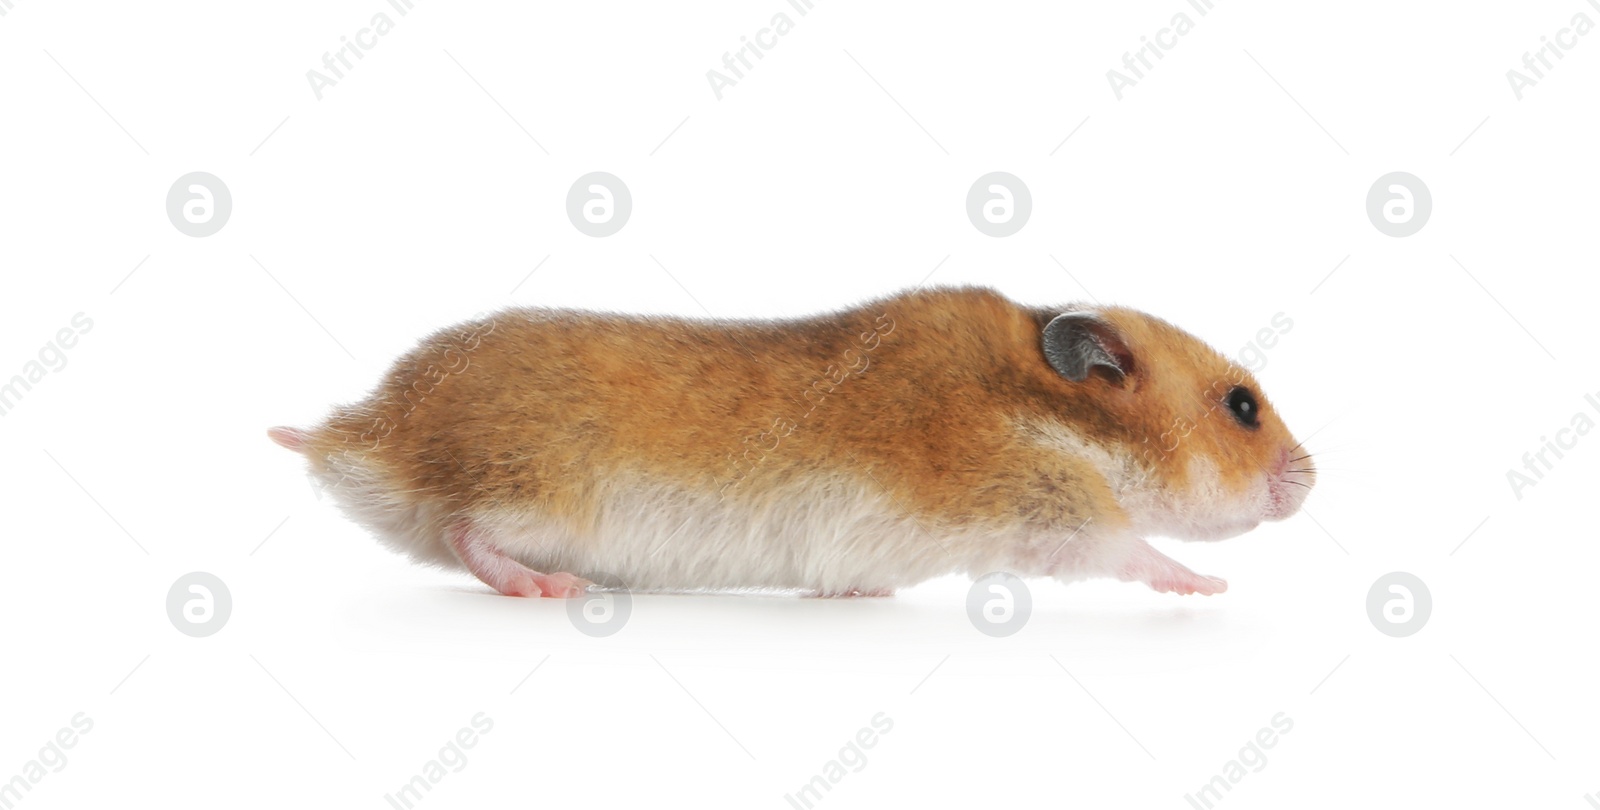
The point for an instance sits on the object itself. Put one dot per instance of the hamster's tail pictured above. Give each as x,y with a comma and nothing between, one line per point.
291,438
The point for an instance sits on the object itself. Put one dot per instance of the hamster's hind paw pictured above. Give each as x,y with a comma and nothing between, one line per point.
528,582
499,571
561,586
1166,575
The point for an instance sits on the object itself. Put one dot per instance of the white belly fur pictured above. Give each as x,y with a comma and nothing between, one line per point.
830,533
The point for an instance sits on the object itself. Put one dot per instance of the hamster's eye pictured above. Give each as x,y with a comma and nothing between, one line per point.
1244,407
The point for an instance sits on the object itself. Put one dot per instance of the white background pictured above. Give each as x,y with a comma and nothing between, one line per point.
409,198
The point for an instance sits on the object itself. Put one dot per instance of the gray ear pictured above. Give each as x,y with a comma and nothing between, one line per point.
1076,342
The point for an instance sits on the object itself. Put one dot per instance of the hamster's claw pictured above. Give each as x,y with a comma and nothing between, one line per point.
563,586
528,582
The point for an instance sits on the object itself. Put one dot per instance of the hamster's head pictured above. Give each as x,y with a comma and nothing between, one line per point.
1187,440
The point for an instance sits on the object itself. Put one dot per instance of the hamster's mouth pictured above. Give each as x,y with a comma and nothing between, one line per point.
1283,498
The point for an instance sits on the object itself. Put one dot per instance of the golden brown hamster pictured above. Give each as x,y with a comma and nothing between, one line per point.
932,432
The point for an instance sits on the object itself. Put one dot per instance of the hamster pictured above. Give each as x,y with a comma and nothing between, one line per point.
933,432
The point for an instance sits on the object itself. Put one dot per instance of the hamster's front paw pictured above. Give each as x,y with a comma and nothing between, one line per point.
1166,575
1189,583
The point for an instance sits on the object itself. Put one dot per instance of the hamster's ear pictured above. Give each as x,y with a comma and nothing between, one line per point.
1078,342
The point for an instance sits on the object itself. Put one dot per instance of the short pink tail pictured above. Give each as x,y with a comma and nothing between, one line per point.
291,438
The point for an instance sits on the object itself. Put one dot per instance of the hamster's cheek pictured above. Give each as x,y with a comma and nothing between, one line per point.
1220,508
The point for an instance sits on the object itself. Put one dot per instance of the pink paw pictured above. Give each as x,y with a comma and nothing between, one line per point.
555,586
562,586
505,574
1187,585
1164,574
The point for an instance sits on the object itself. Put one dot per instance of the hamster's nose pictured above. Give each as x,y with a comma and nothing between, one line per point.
1295,465
1291,480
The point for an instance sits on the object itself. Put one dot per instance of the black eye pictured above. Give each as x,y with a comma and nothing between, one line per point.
1244,407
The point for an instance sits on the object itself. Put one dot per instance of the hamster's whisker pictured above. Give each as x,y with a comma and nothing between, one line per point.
1318,430
1302,458
1332,448
1296,483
